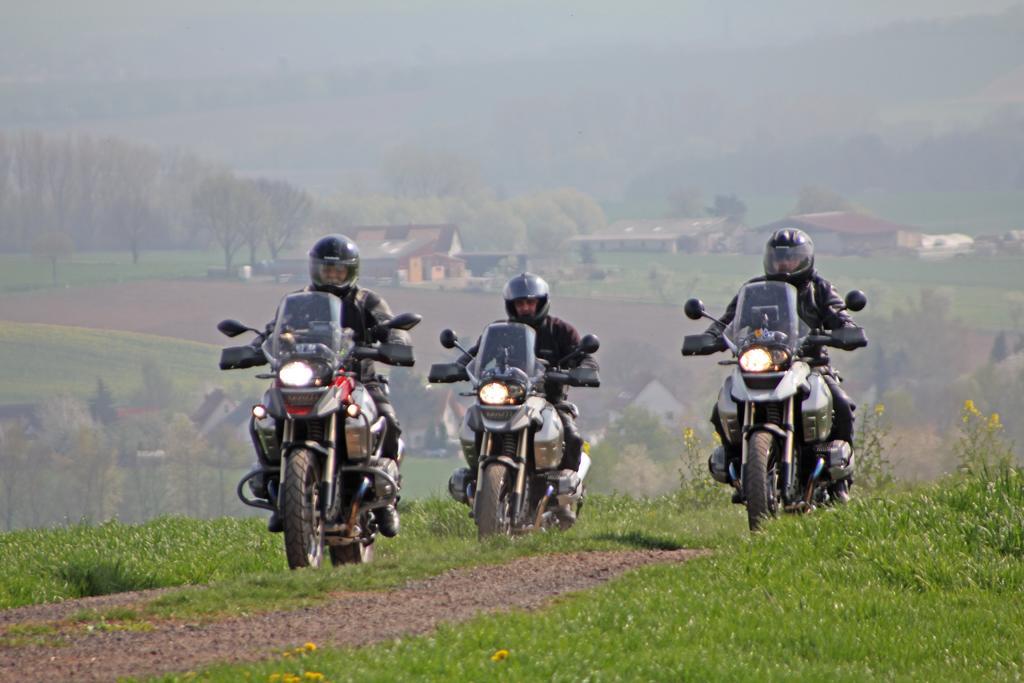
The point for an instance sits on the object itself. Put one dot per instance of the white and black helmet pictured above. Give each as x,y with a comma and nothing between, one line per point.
326,256
527,286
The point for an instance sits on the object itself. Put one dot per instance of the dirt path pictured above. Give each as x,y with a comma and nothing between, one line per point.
419,607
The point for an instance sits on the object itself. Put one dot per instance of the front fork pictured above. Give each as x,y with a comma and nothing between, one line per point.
516,496
787,468
328,485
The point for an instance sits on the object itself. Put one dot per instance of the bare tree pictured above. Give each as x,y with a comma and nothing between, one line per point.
415,172
289,210
6,189
253,213
217,209
133,185
53,246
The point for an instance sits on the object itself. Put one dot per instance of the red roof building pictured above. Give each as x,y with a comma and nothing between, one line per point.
842,232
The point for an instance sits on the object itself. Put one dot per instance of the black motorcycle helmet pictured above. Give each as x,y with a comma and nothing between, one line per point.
789,256
334,264
527,286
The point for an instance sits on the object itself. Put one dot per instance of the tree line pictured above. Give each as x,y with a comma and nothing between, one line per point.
59,194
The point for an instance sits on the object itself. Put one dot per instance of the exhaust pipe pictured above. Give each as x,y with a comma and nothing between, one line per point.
818,467
353,517
543,504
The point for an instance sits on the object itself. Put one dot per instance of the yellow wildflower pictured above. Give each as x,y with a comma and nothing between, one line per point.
499,655
879,409
688,434
970,408
314,676
993,421
309,647
286,654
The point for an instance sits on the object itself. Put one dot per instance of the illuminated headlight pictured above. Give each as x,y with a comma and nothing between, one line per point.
295,374
760,359
493,393
756,359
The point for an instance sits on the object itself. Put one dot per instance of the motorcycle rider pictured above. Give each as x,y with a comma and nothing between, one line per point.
527,300
334,268
789,257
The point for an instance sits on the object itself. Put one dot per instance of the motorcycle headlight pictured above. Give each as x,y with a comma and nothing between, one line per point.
760,359
296,374
756,359
493,393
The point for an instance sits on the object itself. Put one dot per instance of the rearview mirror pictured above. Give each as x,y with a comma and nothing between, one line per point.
856,300
694,309
448,339
404,321
231,328
590,343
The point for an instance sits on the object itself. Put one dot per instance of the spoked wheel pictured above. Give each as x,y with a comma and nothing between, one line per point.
353,553
492,513
303,526
760,479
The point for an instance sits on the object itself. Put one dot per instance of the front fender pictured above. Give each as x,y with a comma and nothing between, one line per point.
503,459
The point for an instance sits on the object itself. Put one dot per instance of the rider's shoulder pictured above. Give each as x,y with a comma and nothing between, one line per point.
366,297
560,324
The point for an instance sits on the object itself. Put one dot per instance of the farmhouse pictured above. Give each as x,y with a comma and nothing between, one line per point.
841,232
695,235
406,253
650,394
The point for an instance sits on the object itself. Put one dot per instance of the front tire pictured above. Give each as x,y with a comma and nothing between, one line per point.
492,513
760,479
303,537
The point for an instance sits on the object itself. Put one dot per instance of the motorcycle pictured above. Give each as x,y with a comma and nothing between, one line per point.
512,437
317,434
776,405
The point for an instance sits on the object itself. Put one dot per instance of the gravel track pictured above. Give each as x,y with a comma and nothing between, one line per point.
419,607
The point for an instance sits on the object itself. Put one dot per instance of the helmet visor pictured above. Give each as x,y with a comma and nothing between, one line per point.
333,272
785,260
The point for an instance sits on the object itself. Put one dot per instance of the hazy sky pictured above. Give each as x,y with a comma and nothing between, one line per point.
188,37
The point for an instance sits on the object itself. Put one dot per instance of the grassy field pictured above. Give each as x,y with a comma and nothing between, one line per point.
426,477
40,361
23,272
247,568
982,291
919,586
973,213
915,585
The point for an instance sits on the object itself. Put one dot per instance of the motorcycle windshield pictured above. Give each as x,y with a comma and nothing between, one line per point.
506,345
308,324
766,313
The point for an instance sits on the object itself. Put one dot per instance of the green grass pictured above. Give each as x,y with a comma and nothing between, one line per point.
24,272
426,477
41,361
920,586
982,290
46,565
247,570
